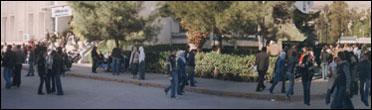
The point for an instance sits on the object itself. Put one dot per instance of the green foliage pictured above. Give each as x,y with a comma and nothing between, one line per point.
103,20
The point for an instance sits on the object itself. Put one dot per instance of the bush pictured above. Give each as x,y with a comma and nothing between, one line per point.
235,67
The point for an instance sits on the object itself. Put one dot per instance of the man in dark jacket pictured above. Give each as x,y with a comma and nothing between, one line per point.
171,67
116,55
190,67
95,59
262,63
364,71
18,66
292,63
57,69
8,64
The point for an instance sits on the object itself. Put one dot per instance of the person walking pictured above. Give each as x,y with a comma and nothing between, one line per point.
31,61
171,67
18,66
279,70
116,56
332,75
181,65
291,65
41,69
324,56
50,78
8,65
190,67
95,58
291,51
133,62
57,68
262,63
364,71
342,100
141,64
307,70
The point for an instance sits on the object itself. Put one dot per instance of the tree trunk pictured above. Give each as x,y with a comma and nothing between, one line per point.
117,42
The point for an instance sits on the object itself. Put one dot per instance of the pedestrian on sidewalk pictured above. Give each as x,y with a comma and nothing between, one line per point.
262,63
133,62
116,56
364,71
332,75
190,67
353,70
181,65
171,67
50,78
291,65
342,100
142,63
307,70
57,70
324,58
123,61
95,59
31,59
40,59
279,71
8,65
18,66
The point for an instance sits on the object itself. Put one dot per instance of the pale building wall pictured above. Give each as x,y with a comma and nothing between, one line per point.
20,17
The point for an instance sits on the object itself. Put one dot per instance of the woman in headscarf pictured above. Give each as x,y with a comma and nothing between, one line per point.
279,72
181,66
133,62
142,63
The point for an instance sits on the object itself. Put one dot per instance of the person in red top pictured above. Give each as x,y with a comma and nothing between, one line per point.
305,52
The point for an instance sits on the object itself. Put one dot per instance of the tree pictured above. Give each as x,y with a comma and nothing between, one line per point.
339,19
322,25
117,20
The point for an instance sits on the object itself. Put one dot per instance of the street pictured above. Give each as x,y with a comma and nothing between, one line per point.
94,94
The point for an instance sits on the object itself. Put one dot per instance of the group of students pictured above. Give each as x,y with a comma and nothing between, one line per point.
116,61
342,71
50,63
180,66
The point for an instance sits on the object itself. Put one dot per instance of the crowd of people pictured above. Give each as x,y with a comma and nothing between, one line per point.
340,65
52,58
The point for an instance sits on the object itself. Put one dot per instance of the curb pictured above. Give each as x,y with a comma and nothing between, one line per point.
197,90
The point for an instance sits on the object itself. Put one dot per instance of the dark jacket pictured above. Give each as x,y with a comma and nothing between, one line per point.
262,61
344,76
95,56
364,69
116,53
291,64
21,57
171,63
191,60
279,66
31,55
57,64
180,67
324,56
290,51
9,59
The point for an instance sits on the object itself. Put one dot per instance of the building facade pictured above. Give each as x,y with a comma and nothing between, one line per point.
22,21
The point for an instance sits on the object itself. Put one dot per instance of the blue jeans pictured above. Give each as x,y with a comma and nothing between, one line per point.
342,100
191,72
7,75
142,70
181,82
306,83
31,68
115,65
291,84
364,90
173,84
59,84
324,71
122,65
277,78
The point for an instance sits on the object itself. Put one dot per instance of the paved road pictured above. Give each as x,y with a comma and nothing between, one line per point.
88,93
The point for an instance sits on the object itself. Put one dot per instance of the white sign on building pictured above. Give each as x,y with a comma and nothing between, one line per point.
61,11
304,6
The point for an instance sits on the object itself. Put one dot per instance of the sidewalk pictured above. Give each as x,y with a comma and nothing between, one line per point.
208,86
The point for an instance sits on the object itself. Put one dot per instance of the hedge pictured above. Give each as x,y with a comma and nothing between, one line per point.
237,66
